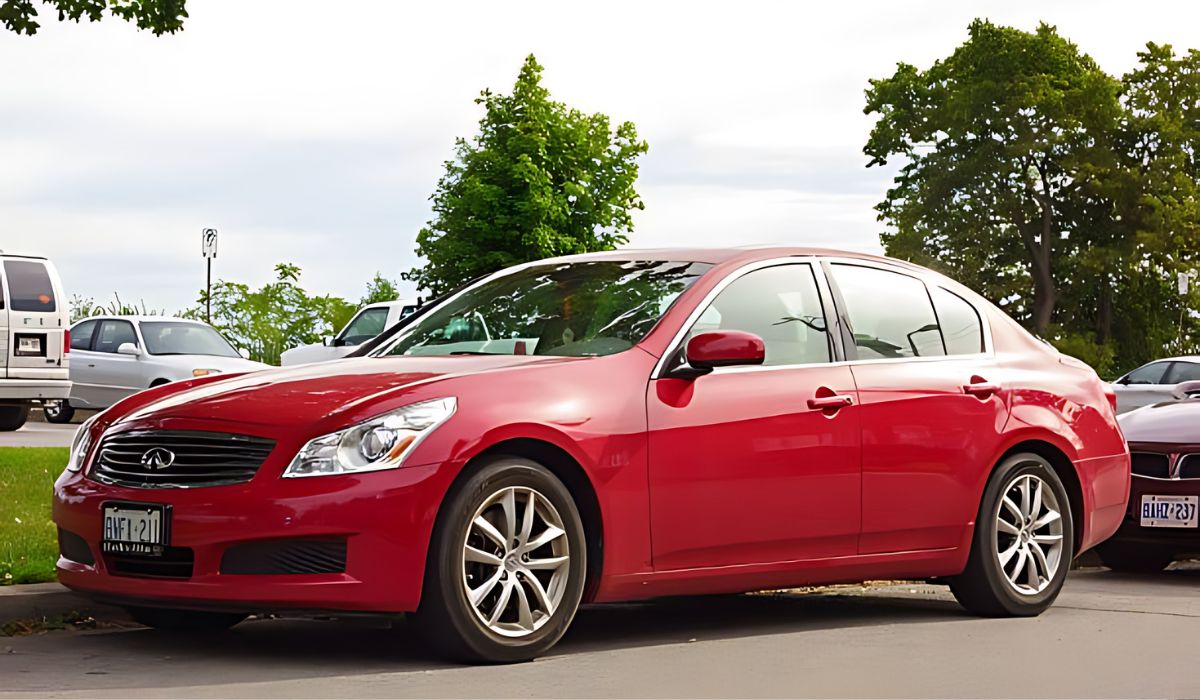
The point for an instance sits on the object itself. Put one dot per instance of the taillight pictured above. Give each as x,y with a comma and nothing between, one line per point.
66,341
1111,396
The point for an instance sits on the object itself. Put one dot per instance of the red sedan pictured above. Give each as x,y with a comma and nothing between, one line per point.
609,427
1162,523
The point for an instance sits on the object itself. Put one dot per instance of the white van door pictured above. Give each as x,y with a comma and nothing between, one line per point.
36,320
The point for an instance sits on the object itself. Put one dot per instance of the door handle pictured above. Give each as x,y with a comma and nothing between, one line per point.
980,388
826,403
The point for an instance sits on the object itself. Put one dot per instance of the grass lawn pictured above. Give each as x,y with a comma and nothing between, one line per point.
28,542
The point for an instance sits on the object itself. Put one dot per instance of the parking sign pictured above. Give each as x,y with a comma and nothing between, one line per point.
208,242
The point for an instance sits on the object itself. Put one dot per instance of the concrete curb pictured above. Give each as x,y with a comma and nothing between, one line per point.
50,600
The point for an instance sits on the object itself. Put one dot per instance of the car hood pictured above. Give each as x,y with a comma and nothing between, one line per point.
309,394
1176,421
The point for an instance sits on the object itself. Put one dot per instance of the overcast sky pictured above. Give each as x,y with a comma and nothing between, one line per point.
317,139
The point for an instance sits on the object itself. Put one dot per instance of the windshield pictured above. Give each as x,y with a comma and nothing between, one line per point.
180,338
580,309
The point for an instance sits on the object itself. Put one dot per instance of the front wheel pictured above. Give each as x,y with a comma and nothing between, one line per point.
168,620
1023,542
13,417
58,411
506,565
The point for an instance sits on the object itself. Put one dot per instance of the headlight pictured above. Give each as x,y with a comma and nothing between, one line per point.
380,443
81,444
204,372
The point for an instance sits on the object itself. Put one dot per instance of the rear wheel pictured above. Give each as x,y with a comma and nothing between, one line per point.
506,565
58,411
1023,540
13,417
1127,558
169,620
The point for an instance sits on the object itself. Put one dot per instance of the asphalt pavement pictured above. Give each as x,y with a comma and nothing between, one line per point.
1109,635
37,433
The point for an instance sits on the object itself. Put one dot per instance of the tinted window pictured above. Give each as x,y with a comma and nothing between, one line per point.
364,326
29,287
1183,372
81,335
575,309
113,334
1147,374
890,313
779,304
180,338
961,328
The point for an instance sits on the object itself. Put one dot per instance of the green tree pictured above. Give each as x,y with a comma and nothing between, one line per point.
277,316
998,141
379,289
539,179
159,16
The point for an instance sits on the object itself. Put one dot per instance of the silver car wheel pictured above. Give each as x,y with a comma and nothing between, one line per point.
1029,534
515,561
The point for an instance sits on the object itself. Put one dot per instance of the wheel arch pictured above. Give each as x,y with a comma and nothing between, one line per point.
1064,468
159,382
568,470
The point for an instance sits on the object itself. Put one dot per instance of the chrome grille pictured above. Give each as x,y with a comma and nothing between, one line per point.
1189,466
178,458
1157,466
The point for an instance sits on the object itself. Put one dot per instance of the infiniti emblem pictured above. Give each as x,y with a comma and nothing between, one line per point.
158,458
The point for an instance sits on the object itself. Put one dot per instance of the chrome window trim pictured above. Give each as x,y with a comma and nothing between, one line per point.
824,287
702,306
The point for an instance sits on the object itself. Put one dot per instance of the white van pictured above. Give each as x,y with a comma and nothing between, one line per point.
34,337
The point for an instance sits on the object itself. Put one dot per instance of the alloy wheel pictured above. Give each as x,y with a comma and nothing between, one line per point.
515,561
1029,534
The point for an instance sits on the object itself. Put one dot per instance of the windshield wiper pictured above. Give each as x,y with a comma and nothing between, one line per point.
475,352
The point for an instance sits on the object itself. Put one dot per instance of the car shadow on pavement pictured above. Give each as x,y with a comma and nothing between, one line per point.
275,649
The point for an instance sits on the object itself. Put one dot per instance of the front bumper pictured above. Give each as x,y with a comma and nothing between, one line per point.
1181,541
385,519
34,389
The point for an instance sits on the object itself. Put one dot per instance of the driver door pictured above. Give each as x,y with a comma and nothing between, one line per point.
742,469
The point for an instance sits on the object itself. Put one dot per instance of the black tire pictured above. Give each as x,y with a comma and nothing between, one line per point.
983,588
13,417
194,621
58,411
1133,559
445,617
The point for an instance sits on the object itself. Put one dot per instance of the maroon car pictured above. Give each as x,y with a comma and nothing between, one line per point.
1161,523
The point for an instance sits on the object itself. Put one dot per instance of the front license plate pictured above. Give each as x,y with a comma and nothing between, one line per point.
135,528
1169,511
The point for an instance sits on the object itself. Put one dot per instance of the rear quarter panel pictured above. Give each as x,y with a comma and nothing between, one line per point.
1062,402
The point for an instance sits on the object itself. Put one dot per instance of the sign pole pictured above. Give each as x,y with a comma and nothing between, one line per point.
208,246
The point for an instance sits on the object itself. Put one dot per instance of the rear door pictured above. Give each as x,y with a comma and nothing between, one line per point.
36,320
932,406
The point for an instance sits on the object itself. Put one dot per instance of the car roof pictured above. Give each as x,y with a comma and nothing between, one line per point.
141,318
717,256
1180,358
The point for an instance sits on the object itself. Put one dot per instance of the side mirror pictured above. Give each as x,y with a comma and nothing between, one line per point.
1123,380
327,341
708,351
1186,390
128,349
244,353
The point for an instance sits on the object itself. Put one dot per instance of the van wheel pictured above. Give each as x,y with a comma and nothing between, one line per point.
506,565
59,411
13,417
169,620
1023,542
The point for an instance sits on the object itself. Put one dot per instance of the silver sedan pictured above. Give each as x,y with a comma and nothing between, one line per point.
115,356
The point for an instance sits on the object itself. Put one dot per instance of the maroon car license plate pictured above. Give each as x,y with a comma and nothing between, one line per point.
135,528
1169,511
